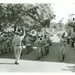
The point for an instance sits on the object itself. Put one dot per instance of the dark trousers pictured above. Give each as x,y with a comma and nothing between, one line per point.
73,39
46,49
68,40
28,48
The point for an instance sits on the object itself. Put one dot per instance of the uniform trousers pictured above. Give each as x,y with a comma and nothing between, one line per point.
28,48
74,45
17,51
46,49
38,52
62,52
43,50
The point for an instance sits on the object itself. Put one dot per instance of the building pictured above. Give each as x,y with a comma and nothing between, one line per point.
71,24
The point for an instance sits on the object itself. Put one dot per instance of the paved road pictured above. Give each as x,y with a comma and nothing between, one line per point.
49,63
55,38
53,55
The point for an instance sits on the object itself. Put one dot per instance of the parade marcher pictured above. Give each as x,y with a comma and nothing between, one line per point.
17,45
28,44
0,49
5,46
10,41
71,43
8,45
33,33
73,39
2,46
38,47
49,44
69,39
62,47
46,45
22,47
42,45
31,41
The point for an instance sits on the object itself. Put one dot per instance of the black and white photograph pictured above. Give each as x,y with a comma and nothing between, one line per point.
37,37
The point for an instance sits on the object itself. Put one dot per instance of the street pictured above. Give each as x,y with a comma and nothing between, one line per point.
48,63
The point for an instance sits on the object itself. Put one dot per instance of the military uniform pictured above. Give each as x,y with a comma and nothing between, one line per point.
8,45
5,47
0,46
38,48
73,39
28,44
46,45
42,46
62,48
17,46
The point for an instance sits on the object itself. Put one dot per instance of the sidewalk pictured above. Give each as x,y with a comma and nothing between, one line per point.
6,65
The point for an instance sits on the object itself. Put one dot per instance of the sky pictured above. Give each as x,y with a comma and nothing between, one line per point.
63,10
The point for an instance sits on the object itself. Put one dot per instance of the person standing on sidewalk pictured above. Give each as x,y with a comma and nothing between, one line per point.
17,45
62,47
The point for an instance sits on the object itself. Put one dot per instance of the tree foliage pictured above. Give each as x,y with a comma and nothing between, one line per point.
26,15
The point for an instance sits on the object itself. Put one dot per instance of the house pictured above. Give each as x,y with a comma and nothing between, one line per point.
71,24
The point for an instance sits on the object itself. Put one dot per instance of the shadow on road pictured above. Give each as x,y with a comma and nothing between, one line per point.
7,63
70,68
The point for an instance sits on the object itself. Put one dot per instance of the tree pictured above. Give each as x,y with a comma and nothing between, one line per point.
26,15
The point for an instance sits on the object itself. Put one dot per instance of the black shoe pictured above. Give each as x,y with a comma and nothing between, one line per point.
16,63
